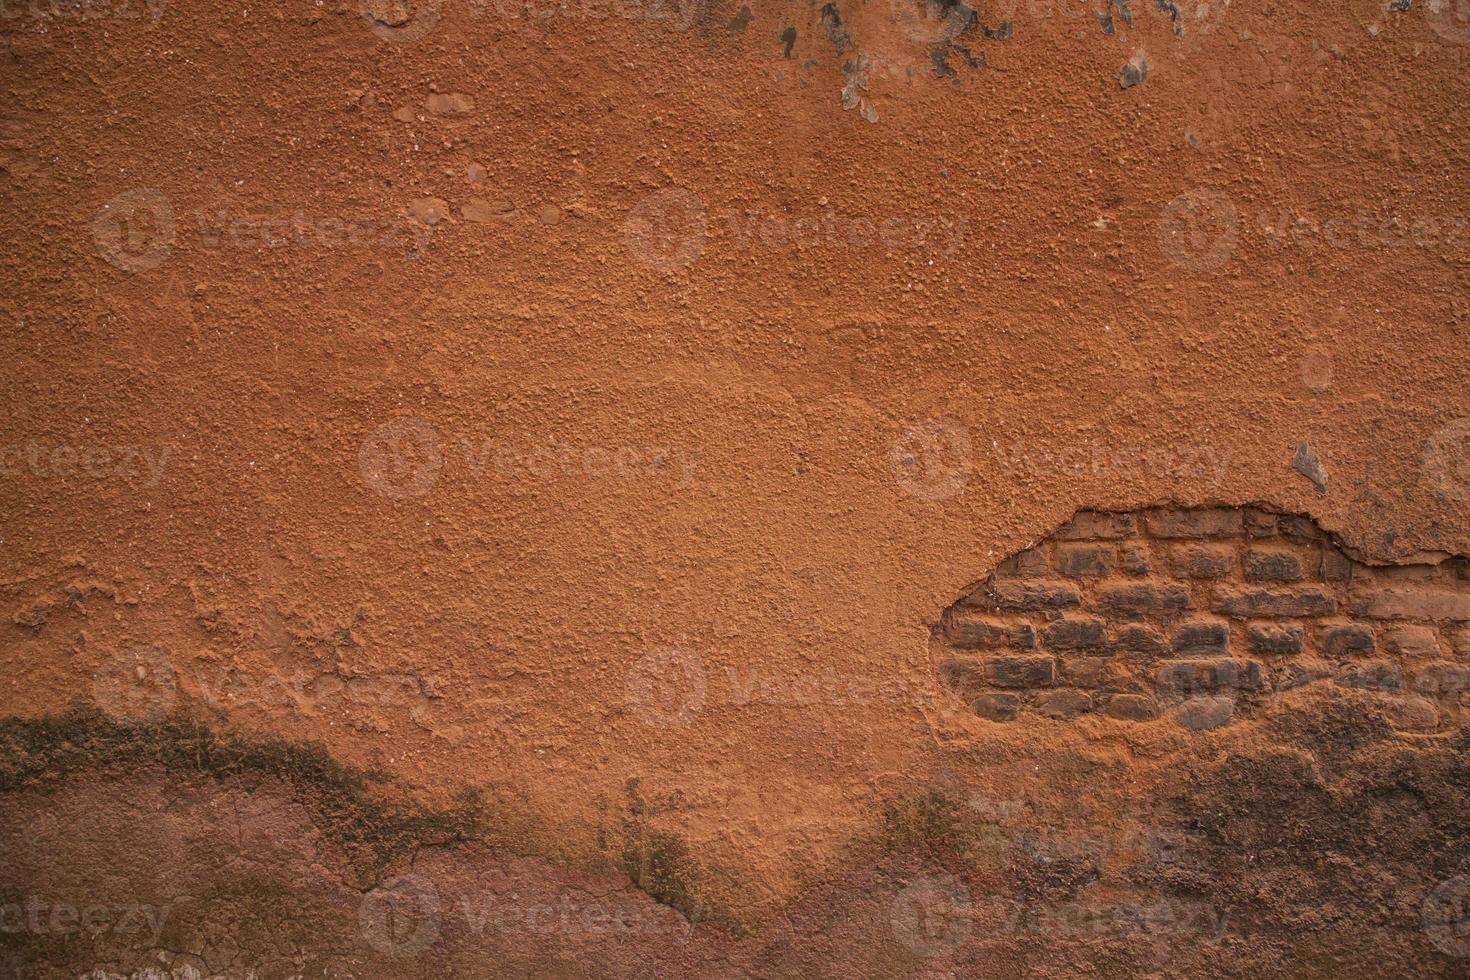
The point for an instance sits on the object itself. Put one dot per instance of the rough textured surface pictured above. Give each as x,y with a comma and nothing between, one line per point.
591,410
1215,612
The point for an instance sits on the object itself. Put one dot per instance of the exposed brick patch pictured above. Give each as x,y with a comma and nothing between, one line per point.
1272,565
1081,560
1202,616
1203,561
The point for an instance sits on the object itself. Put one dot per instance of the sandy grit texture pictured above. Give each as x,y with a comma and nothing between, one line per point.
717,489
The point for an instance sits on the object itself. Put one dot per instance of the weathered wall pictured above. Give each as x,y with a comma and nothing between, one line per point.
597,413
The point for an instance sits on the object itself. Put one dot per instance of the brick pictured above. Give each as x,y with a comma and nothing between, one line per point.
1413,642
1203,714
1134,560
1185,678
1202,638
968,631
1275,639
1336,566
1459,638
1302,529
1442,678
1407,574
1086,671
1297,673
1067,635
1035,596
1410,714
955,673
1202,561
1353,640
1063,704
1021,671
997,707
1093,525
1085,560
1260,603
1414,604
1209,522
1379,675
1260,523
1030,563
1272,565
1131,707
971,631
1142,601
1140,641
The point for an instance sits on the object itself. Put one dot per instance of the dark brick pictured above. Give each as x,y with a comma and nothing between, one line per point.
1203,714
1347,641
1066,635
1086,560
1442,678
1021,671
1064,704
1273,638
1260,524
1254,603
1375,676
1092,525
957,672
968,631
1336,566
1273,565
1023,636
1134,560
1298,528
1204,638
997,707
1142,601
1413,604
1186,678
1140,641
1131,707
1206,522
1411,642
1202,561
1035,596
1030,563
